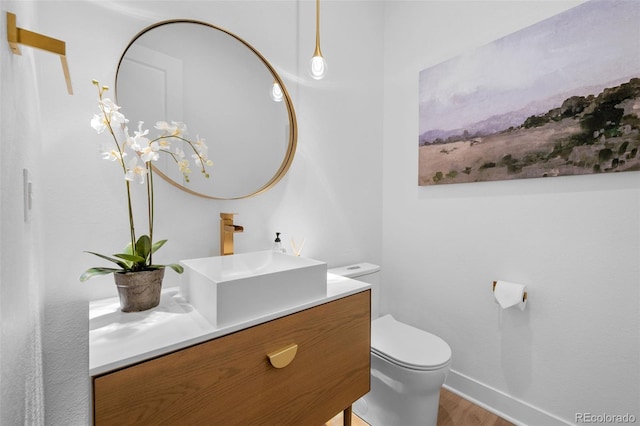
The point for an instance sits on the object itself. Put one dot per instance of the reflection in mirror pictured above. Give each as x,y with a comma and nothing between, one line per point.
220,87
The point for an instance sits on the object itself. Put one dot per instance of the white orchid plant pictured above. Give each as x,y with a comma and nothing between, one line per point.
138,254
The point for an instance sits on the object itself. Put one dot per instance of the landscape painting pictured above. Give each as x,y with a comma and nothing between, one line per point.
561,97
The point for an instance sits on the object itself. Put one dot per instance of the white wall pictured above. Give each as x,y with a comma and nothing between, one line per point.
21,247
573,240
331,195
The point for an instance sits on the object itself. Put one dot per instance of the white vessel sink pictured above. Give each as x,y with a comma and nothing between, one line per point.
230,289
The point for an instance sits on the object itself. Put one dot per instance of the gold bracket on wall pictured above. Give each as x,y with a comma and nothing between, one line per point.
17,36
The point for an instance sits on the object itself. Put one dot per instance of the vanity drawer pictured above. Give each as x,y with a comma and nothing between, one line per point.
230,380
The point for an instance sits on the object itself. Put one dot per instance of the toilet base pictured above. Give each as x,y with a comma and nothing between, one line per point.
401,397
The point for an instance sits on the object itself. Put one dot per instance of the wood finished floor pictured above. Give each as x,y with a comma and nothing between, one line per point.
453,411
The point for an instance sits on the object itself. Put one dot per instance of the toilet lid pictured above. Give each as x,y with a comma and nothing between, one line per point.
408,346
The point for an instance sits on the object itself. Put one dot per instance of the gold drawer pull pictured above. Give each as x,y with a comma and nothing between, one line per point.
283,357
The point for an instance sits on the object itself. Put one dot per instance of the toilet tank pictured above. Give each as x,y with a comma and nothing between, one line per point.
365,272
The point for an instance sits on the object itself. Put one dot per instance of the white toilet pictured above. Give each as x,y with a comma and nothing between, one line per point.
408,365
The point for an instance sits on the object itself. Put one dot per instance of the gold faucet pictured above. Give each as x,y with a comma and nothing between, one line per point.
227,229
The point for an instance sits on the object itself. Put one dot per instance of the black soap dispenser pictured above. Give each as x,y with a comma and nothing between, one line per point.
277,244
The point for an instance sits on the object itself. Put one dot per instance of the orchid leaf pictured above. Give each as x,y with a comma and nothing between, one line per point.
127,249
143,247
92,272
130,257
120,263
157,245
176,267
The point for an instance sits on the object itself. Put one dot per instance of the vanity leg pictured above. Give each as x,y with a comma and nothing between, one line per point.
346,416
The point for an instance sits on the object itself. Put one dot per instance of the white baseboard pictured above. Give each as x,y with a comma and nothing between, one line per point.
509,408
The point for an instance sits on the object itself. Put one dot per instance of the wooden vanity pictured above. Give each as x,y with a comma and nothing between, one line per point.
227,377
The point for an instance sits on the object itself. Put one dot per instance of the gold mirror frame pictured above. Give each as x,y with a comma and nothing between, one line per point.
293,127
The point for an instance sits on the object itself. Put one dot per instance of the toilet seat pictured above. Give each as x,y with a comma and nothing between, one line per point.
408,346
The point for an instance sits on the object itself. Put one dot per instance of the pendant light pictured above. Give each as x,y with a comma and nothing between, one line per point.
318,64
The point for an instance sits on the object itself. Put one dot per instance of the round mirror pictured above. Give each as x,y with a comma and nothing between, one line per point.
222,89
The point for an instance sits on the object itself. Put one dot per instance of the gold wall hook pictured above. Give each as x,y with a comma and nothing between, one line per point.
17,36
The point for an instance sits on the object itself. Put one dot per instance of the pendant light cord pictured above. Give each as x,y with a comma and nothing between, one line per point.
317,52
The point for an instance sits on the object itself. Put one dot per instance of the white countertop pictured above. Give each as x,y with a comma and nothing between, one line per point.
118,339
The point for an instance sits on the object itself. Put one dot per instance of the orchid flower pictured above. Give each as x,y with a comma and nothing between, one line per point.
201,160
150,152
138,141
174,129
200,145
183,165
134,171
99,123
163,126
164,144
114,155
112,113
